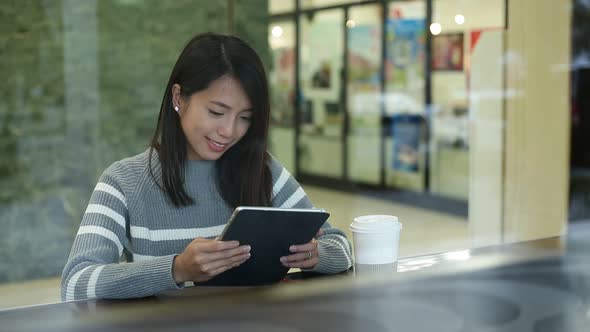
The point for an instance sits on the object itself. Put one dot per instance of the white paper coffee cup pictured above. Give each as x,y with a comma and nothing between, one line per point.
376,242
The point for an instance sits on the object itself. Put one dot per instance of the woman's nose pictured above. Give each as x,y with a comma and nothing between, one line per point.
226,129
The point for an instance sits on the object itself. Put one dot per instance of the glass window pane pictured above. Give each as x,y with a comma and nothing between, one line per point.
281,6
457,55
321,112
467,48
466,15
404,95
281,38
307,4
82,86
364,89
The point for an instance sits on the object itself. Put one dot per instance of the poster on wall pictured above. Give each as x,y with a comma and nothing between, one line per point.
447,52
364,45
320,58
321,62
406,133
364,78
405,53
283,86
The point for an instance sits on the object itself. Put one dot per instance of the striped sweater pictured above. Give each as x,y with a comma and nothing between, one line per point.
130,233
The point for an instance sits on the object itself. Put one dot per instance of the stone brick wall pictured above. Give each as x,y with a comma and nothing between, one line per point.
82,83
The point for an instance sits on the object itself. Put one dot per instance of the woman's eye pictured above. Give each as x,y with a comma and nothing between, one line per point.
246,118
215,113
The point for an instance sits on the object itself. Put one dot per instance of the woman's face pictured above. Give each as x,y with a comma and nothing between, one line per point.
214,119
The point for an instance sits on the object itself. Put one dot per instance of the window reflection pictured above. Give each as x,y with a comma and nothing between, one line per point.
321,112
280,6
308,4
82,83
404,96
364,88
83,79
281,39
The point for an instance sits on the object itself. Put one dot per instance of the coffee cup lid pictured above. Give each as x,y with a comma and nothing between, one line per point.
375,223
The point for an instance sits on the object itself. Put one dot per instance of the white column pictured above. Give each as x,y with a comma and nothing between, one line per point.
486,158
537,119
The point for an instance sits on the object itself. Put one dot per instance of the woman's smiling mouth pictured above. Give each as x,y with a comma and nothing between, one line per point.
216,146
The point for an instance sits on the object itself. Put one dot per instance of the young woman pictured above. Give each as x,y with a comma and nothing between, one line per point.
152,220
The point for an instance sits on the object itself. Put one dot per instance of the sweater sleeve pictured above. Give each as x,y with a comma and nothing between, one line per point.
334,248
94,268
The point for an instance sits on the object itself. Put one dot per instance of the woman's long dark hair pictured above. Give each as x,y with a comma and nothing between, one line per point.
243,174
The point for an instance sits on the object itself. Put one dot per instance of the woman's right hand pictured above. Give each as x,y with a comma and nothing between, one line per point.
203,259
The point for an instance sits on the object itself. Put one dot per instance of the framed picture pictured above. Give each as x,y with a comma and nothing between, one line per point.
447,52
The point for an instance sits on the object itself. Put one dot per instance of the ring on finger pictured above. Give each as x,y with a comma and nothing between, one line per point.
308,255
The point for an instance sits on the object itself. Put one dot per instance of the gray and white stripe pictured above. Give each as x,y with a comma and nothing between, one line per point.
143,258
294,199
91,288
105,211
71,288
281,181
343,240
101,231
101,186
338,244
175,234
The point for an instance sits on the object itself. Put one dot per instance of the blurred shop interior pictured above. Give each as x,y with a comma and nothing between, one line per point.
433,104
469,119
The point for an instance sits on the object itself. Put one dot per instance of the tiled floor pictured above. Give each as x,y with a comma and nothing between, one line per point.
423,232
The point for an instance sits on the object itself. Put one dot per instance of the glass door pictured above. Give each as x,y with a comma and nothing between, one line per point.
322,118
467,47
404,98
281,37
364,40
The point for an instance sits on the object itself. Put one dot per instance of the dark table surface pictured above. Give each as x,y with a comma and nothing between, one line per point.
541,285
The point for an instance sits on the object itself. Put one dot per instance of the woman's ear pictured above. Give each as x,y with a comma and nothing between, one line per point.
177,102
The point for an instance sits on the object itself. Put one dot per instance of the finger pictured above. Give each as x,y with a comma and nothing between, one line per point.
229,253
310,246
302,264
211,269
208,245
201,258
220,270
205,277
300,256
319,233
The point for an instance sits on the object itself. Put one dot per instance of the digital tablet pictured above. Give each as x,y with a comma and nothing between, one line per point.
269,232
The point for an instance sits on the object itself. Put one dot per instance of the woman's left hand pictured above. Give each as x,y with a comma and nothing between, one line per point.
305,256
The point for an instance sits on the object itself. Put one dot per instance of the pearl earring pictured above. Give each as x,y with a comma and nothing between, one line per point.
176,109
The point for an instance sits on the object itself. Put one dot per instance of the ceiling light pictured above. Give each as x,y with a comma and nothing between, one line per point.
459,19
435,28
277,31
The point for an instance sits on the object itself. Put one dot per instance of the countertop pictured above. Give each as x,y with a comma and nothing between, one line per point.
541,285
